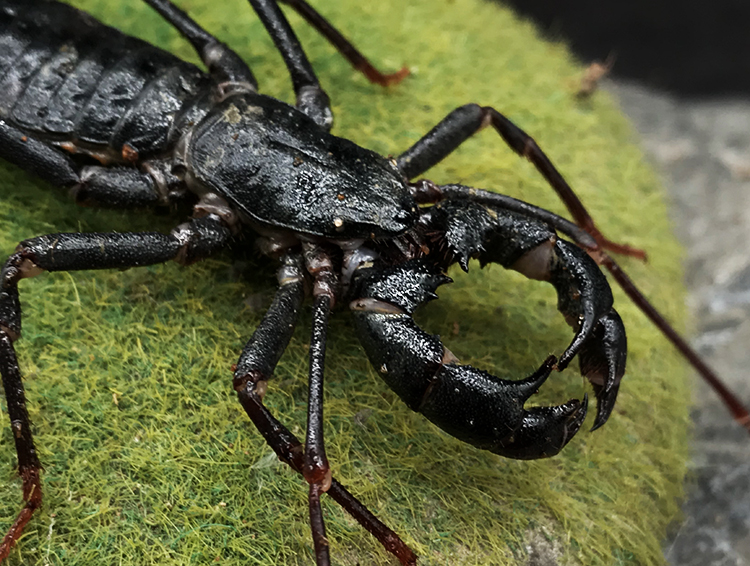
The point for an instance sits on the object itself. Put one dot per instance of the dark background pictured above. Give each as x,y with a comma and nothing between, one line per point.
688,47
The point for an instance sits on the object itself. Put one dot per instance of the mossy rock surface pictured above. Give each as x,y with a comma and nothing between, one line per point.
149,458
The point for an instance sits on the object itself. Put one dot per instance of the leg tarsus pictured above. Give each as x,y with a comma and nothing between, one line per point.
390,540
525,146
290,451
32,495
311,98
344,46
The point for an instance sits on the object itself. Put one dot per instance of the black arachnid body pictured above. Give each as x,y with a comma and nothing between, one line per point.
122,124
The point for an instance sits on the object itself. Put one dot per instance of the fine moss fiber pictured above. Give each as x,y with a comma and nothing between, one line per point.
148,457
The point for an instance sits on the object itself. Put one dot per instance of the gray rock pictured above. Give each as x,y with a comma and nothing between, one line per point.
702,149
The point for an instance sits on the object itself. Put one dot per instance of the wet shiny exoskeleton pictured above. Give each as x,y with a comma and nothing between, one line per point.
123,124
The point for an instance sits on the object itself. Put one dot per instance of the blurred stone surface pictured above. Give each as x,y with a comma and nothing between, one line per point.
702,149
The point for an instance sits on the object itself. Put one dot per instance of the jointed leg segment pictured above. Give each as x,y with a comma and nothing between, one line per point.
255,367
225,66
29,467
228,69
348,50
464,122
290,451
71,252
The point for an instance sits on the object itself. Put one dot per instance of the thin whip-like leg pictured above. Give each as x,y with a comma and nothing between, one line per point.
230,72
344,46
739,412
463,123
311,98
192,241
255,368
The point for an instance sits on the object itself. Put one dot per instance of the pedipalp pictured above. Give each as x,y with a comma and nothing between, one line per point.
739,412
464,122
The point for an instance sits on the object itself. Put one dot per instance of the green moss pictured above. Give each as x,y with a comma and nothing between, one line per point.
150,460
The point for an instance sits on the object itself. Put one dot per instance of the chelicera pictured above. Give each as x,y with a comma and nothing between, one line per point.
123,124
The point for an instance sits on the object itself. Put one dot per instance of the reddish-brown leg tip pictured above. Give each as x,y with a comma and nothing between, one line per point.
744,421
607,244
397,77
32,494
624,249
376,77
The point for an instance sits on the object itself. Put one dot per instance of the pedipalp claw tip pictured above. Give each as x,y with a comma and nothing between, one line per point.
578,416
527,387
606,396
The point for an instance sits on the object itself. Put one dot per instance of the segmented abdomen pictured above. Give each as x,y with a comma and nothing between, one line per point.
66,78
